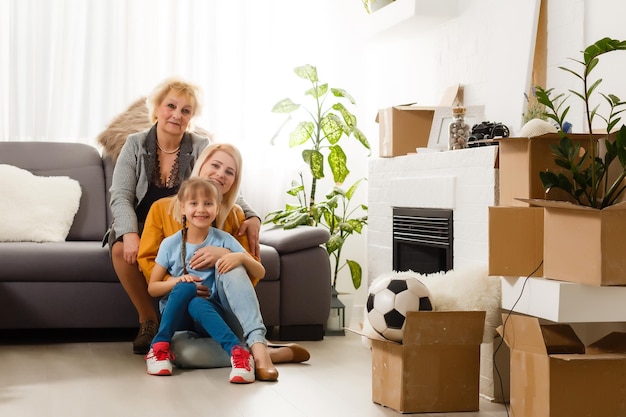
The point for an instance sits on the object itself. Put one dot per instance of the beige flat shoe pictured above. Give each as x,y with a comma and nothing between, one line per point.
300,354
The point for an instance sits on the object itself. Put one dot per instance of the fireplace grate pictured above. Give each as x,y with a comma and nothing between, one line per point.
422,239
426,230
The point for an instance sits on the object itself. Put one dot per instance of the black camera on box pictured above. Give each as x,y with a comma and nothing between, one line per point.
487,130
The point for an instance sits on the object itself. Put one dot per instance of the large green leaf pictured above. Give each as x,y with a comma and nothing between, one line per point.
333,128
355,272
338,92
348,117
308,72
315,160
285,106
317,91
337,161
335,242
301,134
361,137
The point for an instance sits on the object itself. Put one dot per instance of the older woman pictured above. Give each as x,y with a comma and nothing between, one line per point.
151,165
222,163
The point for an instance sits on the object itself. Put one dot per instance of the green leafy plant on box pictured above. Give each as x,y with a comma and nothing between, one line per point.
325,123
587,178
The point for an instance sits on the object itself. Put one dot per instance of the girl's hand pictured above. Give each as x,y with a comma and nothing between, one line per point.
228,262
202,290
189,278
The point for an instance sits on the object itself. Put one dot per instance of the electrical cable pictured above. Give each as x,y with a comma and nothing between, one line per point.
495,365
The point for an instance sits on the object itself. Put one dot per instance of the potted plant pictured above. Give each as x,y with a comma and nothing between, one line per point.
325,123
588,181
584,239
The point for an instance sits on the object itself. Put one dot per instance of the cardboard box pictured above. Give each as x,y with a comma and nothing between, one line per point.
583,244
521,160
551,376
436,368
403,128
515,241
406,127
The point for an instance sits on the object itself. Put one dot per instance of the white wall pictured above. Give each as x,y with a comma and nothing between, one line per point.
488,48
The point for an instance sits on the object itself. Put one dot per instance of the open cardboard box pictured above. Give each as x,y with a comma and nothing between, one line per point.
521,160
515,241
554,375
436,368
405,127
583,244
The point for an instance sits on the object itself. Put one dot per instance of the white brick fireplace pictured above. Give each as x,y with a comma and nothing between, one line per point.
464,181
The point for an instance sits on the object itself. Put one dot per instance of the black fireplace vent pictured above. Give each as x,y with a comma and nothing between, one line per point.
422,239
429,227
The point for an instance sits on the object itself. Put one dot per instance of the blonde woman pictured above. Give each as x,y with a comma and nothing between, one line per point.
222,163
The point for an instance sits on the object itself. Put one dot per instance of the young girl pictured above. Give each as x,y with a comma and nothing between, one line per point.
197,207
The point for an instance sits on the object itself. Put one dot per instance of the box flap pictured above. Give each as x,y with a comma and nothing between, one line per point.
569,205
525,333
614,342
444,327
522,333
453,96
561,338
377,120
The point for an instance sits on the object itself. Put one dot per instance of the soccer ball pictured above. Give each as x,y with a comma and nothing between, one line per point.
388,301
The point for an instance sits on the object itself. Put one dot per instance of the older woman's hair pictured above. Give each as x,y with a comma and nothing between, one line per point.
191,189
156,97
230,197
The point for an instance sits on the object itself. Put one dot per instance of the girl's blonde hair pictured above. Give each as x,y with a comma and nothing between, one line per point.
192,188
156,97
230,197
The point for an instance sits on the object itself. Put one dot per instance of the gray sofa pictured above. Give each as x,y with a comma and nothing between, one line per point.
72,284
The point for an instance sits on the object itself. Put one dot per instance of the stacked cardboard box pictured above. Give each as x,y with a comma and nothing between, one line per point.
553,374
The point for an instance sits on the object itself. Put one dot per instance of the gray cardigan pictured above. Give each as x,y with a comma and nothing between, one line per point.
132,173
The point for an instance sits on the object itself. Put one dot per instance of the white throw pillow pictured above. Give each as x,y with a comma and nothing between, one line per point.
36,209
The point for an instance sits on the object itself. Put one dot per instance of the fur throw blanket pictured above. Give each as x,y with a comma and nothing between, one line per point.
132,120
463,289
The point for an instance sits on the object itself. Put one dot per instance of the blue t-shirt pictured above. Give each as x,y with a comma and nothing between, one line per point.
169,256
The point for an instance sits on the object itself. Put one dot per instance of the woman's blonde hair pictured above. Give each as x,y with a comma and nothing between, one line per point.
192,188
156,97
230,197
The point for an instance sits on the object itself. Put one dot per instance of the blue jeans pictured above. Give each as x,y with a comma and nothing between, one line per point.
240,309
184,309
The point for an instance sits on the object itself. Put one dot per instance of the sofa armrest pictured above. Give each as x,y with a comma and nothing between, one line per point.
293,240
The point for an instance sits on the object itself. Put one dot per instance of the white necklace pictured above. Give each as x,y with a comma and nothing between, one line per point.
168,152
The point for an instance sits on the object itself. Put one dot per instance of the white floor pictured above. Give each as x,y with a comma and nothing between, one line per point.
105,379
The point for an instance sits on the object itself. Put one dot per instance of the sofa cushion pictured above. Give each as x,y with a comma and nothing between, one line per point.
56,262
36,208
78,161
